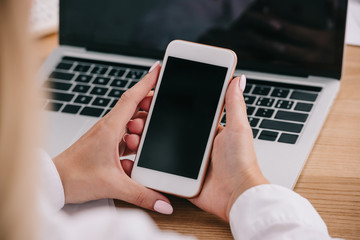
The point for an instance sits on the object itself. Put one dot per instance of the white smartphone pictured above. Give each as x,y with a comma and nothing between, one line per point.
184,114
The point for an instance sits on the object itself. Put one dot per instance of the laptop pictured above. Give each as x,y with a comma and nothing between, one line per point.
291,52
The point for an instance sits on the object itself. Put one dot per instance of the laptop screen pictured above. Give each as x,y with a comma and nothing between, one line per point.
294,37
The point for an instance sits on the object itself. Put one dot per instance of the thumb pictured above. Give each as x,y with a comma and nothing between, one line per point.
146,198
235,103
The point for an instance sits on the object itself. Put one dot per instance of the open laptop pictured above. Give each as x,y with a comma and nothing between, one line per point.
291,52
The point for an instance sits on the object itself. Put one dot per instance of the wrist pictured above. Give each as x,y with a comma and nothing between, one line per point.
251,178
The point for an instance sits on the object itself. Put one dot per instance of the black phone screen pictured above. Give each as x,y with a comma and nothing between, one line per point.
182,117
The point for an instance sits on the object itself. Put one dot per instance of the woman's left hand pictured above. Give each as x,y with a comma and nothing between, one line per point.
91,169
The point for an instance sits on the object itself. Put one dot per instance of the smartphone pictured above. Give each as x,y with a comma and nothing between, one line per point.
188,102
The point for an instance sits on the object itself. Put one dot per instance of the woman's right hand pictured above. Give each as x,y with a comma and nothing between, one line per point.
234,167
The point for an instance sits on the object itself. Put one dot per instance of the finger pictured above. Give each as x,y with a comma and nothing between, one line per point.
127,151
129,101
136,126
219,129
132,142
141,196
145,103
235,105
127,165
140,114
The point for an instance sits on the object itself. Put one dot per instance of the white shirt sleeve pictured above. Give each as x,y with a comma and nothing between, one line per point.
94,224
52,188
262,212
273,212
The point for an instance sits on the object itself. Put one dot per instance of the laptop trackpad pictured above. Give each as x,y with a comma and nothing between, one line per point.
64,130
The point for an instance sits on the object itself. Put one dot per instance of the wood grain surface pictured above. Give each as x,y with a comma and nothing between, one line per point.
330,179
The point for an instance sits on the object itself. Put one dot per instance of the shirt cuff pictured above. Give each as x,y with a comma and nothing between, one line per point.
262,207
52,186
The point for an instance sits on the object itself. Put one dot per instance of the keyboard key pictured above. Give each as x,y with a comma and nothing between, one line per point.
266,102
281,93
247,88
134,74
83,99
305,107
116,93
106,63
304,96
260,90
64,66
119,83
99,70
268,135
113,103
255,132
250,110
101,80
62,76
106,112
57,85
253,121
249,99
281,126
82,68
291,116
99,91
264,112
116,72
53,106
101,102
81,88
71,109
288,138
283,85
92,112
84,78
284,104
63,97
223,119
132,84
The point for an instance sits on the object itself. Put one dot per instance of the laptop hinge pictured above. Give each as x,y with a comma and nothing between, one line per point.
73,48
322,78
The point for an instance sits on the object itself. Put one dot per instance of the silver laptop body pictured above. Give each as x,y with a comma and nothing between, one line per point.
281,157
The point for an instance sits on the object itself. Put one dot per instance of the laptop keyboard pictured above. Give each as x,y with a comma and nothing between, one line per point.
89,87
276,111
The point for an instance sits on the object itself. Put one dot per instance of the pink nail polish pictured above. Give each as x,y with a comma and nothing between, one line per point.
163,207
242,82
154,66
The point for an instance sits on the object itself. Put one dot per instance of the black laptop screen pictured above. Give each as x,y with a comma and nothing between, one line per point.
297,37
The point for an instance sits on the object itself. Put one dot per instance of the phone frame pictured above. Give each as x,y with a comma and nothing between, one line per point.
170,183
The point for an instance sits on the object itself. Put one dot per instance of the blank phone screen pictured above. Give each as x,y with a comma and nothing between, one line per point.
182,117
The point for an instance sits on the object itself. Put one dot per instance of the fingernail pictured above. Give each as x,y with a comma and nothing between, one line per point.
126,134
163,207
242,82
154,66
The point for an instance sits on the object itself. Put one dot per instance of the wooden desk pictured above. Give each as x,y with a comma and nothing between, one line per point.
330,179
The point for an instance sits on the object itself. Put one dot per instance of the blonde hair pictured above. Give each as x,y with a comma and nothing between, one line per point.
17,130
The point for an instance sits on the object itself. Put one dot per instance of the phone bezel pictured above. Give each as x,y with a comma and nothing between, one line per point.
170,183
